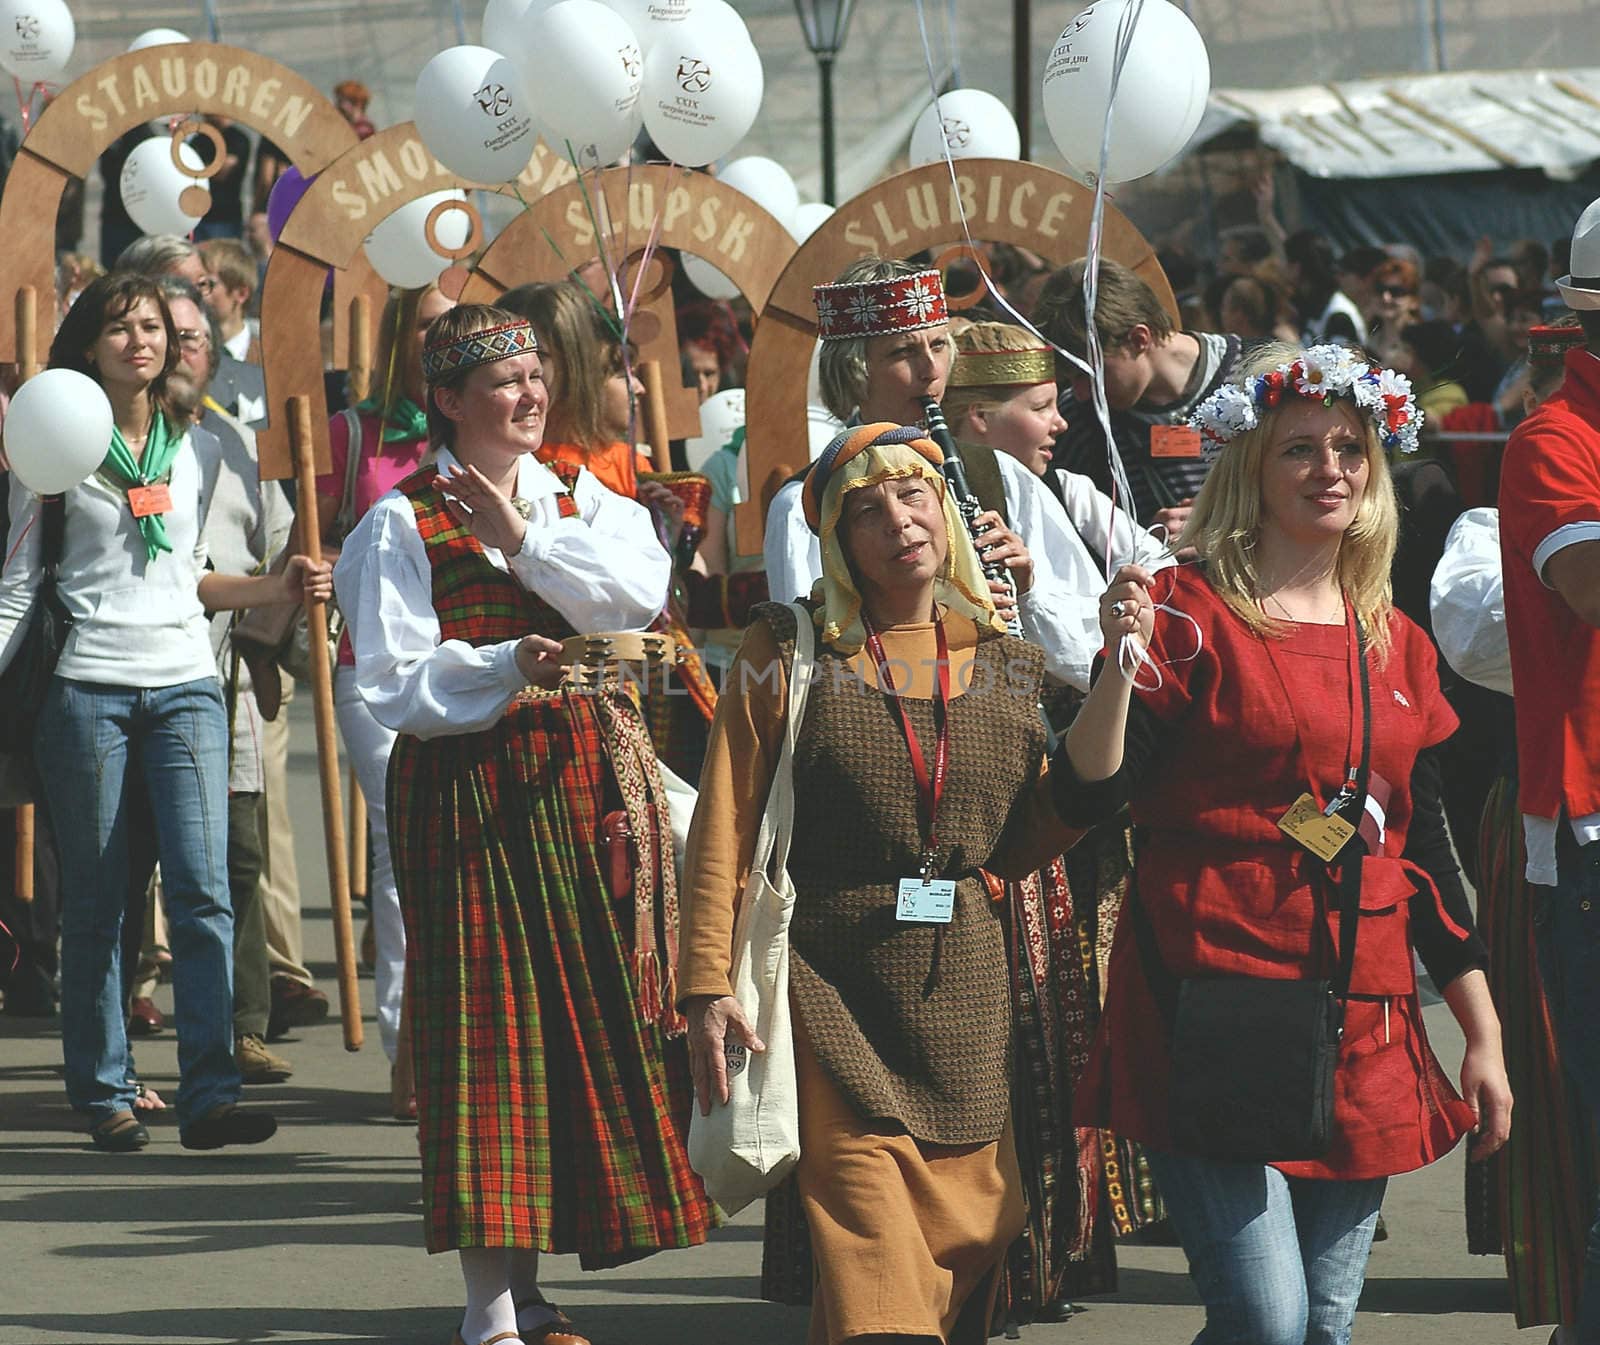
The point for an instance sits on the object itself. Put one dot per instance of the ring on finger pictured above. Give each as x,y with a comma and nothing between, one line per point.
1119,608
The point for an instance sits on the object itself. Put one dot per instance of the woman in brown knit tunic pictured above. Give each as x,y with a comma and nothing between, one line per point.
907,783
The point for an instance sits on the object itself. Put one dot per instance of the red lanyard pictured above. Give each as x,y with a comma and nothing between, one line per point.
930,786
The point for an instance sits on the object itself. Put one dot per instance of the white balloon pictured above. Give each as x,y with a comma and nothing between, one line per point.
473,114
766,182
720,415
398,247
1160,97
505,24
706,278
651,20
808,219
36,39
702,90
57,431
151,185
975,124
156,37
583,65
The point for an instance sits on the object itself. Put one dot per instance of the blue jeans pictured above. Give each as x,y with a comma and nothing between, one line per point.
1277,1260
95,744
1566,931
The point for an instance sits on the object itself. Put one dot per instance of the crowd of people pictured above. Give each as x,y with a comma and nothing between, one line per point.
1122,801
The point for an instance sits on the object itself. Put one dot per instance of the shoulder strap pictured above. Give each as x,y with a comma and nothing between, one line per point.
52,535
771,854
983,475
1350,864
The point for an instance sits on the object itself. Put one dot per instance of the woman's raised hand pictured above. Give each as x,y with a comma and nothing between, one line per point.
1127,607
712,1019
480,507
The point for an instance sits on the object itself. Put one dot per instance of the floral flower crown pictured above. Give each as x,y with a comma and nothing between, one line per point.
1321,373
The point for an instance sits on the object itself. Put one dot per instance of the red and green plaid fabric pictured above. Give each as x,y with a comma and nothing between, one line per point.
551,1114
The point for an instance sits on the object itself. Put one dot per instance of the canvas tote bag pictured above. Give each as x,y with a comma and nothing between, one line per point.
744,1149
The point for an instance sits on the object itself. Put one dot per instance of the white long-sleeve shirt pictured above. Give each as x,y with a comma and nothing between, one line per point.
603,570
1060,611
135,622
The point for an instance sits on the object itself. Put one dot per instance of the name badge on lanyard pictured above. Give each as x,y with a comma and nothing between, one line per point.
924,900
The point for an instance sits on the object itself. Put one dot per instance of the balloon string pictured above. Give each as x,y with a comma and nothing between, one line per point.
651,243
24,105
599,235
600,309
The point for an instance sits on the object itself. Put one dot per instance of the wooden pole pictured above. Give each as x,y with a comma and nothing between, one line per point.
301,448
1022,73
655,414
358,839
28,361
360,371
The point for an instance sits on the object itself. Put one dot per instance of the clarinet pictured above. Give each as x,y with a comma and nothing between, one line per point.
955,473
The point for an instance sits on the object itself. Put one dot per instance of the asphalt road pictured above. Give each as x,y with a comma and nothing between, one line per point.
317,1235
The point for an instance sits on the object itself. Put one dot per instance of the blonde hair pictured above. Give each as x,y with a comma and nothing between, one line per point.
1226,520
569,326
984,338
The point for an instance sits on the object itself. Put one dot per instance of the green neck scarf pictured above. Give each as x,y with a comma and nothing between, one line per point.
160,448
406,420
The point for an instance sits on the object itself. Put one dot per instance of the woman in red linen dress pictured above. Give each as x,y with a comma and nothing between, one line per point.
1245,705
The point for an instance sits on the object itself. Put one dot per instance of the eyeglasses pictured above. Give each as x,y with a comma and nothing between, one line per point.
206,284
193,340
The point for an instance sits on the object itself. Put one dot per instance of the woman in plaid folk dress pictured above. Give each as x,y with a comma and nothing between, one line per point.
541,1000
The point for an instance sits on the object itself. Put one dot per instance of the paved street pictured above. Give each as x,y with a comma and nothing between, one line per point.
317,1235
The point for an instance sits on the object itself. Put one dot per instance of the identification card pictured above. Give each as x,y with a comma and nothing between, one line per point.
926,901
147,500
1323,836
1174,441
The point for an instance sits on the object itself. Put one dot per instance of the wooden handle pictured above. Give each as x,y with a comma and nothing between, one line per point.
358,840
655,414
305,469
27,312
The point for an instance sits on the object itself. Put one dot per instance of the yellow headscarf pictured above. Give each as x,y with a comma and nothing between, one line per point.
868,455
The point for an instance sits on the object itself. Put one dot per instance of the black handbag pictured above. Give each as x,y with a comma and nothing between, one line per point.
1253,1060
26,678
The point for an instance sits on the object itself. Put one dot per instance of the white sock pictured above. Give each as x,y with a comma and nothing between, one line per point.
490,1310
524,1276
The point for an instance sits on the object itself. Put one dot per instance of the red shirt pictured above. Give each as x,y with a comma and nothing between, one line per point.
1229,894
1549,480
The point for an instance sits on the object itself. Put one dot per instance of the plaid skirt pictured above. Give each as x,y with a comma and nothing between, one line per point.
552,1115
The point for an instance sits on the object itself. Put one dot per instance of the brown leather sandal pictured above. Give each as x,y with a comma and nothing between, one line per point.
552,1332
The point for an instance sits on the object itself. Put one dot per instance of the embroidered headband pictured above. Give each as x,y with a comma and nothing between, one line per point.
1320,373
445,359
853,442
1003,368
1549,345
880,307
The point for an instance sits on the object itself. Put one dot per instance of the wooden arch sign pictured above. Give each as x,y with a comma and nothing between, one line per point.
697,214
87,116
363,186
1004,201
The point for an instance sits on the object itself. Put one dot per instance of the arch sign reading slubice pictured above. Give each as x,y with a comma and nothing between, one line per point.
696,213
357,191
87,117
1004,202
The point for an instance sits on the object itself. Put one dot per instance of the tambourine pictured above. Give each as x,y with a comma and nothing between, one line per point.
593,659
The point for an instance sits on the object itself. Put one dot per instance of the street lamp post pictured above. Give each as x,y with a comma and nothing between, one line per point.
824,23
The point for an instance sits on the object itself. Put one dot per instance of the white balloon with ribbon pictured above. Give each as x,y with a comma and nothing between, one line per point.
472,112
973,123
766,182
651,20
1158,102
157,37
57,431
583,64
505,22
153,186
702,90
809,218
707,278
398,246
36,39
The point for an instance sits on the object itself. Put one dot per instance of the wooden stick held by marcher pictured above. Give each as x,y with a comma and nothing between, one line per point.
27,348
358,839
301,447
359,374
655,414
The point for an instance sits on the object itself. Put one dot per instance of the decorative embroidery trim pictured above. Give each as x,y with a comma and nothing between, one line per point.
444,359
880,307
